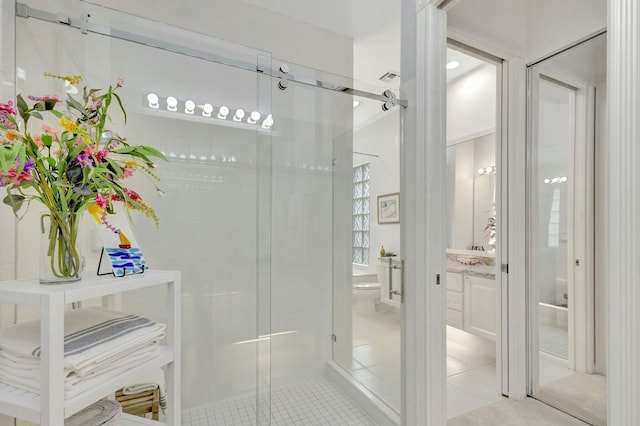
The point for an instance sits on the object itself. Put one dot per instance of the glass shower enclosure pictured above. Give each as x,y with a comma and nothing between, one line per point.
249,201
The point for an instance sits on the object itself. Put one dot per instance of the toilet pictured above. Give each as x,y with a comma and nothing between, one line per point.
365,296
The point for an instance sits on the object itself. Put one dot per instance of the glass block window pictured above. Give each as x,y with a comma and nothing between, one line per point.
361,214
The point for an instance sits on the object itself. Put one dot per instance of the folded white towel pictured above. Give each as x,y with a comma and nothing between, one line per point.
73,386
99,344
92,336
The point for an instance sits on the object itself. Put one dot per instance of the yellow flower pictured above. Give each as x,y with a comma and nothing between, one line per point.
131,163
69,125
73,79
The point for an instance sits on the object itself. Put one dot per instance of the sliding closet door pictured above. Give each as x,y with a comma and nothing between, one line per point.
565,97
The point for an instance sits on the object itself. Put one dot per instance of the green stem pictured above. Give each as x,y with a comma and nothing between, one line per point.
64,259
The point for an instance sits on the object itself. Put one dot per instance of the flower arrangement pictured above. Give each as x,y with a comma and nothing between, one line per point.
73,165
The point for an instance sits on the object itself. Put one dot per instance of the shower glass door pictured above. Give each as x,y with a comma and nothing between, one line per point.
186,98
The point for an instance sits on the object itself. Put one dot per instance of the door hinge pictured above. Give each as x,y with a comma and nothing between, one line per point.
505,268
334,338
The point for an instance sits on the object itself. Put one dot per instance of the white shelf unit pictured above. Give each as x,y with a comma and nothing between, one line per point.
50,408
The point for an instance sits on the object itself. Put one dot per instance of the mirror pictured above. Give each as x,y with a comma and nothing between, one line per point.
471,201
566,143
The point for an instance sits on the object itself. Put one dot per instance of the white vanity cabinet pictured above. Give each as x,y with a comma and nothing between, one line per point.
50,408
480,311
472,304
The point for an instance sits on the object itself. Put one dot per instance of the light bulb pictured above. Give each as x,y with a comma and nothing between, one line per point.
223,112
254,117
268,122
481,171
189,107
547,180
172,103
152,99
453,65
489,169
555,180
563,179
239,115
207,109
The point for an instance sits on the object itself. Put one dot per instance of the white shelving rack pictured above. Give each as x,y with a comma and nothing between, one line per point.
50,408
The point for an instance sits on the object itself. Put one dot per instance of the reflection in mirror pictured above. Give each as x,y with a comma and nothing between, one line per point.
471,195
567,343
472,287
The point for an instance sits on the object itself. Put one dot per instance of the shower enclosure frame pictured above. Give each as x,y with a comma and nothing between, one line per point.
262,67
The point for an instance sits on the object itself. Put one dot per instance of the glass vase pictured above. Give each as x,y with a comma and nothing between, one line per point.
60,258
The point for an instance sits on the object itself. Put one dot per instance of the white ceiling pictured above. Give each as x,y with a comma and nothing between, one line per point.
374,27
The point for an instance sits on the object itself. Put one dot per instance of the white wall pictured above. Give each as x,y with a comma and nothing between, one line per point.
249,25
381,138
471,103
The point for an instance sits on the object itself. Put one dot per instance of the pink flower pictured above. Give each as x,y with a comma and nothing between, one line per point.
48,130
8,107
100,155
101,201
37,139
128,172
131,194
120,81
44,98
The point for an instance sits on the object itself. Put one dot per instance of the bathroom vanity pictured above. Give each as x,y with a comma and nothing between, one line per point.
472,292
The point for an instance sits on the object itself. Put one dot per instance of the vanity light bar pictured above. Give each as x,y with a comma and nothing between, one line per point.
557,179
489,170
189,107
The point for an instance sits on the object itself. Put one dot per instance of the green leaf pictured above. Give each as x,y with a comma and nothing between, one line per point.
152,152
21,104
15,201
37,115
51,161
115,95
115,167
57,113
47,140
76,105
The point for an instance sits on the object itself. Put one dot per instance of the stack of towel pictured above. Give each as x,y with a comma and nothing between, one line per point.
99,344
102,413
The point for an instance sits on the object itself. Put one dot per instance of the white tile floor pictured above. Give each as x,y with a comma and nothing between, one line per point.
554,340
376,364
316,402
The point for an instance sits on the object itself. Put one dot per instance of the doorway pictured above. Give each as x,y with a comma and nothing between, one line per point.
566,338
473,293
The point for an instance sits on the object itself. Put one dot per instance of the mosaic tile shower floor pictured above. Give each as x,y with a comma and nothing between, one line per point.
316,402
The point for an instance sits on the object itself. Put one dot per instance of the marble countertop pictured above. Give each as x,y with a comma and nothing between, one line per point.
480,269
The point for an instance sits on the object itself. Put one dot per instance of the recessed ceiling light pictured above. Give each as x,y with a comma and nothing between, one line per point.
453,65
356,103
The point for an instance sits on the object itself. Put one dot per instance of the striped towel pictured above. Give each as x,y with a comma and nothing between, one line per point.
94,337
